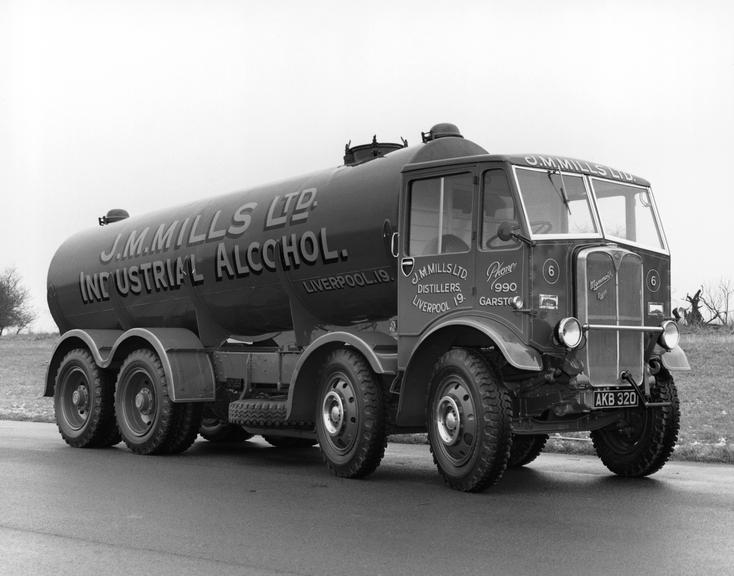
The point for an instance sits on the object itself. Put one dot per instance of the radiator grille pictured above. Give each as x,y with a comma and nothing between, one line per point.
609,293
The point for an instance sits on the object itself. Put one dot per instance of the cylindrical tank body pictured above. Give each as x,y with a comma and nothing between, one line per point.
239,259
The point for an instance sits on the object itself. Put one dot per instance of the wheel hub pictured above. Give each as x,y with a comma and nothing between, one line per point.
80,398
144,401
332,413
448,420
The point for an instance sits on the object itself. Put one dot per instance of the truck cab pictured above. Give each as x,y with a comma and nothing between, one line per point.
556,271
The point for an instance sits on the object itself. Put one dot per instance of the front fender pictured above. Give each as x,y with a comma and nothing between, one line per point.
466,331
674,359
378,348
515,351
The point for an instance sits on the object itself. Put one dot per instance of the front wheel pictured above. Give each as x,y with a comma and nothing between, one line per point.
642,441
350,416
469,416
525,449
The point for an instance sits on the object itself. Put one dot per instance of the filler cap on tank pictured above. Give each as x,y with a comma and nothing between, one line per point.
114,215
442,130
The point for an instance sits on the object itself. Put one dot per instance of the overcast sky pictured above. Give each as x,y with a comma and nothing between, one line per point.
142,105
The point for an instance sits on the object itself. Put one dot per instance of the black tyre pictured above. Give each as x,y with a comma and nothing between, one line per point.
290,441
642,442
469,416
350,416
145,412
222,432
185,429
84,402
525,449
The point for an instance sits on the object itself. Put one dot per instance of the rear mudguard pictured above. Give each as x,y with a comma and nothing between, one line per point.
186,364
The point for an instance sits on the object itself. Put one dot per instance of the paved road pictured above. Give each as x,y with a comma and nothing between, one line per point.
256,510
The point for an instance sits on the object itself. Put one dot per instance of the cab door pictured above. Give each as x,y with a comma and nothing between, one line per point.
436,255
501,265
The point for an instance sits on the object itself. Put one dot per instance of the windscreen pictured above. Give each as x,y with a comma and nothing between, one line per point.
627,214
556,203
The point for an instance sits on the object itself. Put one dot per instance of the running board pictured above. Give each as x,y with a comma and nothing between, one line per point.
264,413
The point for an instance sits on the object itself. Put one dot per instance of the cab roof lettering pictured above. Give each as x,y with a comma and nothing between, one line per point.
573,165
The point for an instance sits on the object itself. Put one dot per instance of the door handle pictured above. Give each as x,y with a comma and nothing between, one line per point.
394,244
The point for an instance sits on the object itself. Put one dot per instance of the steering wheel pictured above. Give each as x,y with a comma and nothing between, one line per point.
495,241
541,226
450,244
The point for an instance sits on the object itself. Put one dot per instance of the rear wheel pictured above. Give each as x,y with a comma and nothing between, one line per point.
145,412
185,429
222,432
290,441
84,402
350,416
525,449
642,441
469,414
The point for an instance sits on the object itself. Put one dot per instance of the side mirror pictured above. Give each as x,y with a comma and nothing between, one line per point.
505,232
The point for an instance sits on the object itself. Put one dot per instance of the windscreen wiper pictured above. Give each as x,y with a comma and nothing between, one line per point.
562,190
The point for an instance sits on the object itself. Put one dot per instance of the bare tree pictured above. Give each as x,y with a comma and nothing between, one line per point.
14,308
694,316
717,302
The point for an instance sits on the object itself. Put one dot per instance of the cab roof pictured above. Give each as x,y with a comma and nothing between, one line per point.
542,161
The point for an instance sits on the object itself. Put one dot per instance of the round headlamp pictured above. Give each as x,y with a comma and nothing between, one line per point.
670,336
569,332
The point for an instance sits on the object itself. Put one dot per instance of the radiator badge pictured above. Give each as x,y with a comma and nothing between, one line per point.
597,286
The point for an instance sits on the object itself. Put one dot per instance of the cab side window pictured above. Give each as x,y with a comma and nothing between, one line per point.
440,215
498,206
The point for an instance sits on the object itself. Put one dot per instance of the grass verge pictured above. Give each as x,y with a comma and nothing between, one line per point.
23,363
706,394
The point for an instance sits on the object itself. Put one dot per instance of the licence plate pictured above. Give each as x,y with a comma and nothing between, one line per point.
615,399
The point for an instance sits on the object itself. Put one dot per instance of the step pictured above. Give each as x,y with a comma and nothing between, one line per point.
263,413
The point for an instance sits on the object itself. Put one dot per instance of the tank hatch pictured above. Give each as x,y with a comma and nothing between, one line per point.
442,130
112,216
366,152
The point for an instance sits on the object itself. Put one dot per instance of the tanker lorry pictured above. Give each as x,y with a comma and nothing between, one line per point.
488,300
